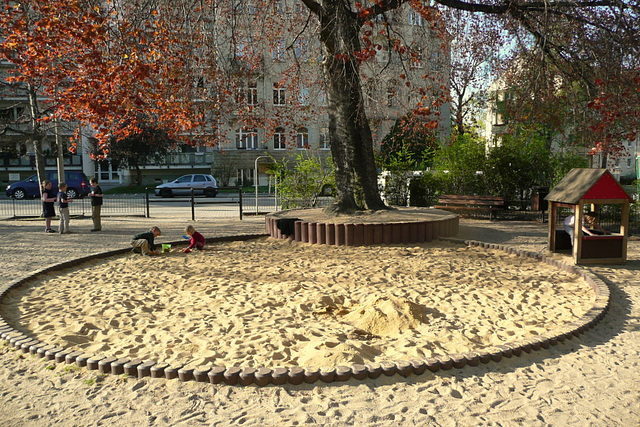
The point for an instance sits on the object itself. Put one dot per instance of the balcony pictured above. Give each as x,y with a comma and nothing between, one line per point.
30,162
187,159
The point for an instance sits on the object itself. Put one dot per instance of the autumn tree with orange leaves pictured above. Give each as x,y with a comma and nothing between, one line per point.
186,63
40,63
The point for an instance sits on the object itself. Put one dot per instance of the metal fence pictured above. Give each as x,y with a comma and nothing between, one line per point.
226,205
238,204
114,205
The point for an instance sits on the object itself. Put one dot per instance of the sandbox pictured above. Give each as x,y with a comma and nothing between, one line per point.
324,311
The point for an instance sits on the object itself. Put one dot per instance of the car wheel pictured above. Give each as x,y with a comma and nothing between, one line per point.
72,193
210,192
165,192
19,194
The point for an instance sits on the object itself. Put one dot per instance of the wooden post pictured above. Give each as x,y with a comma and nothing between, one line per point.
578,212
553,215
624,229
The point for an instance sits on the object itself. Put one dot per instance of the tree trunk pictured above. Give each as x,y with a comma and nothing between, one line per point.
459,116
138,176
60,152
350,135
37,135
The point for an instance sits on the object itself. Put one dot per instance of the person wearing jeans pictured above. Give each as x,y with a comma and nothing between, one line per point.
63,207
96,204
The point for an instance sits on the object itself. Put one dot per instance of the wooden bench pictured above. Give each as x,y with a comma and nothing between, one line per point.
462,204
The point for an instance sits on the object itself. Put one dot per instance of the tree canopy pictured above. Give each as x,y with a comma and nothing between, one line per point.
183,64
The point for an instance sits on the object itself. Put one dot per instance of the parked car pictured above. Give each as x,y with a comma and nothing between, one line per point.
77,185
201,184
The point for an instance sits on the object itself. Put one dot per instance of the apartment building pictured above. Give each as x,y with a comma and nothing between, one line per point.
274,109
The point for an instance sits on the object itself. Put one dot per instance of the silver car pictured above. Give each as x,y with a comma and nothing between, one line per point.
201,184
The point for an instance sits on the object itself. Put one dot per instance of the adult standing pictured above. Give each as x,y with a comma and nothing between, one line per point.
96,204
48,199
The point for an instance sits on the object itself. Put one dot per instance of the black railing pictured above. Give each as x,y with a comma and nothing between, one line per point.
120,204
193,201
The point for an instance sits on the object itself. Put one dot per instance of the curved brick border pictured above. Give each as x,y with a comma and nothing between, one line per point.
296,375
364,234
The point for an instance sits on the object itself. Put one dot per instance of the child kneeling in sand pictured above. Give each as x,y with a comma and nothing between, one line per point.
144,242
197,240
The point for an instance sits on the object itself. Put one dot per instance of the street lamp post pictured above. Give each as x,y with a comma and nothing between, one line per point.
255,178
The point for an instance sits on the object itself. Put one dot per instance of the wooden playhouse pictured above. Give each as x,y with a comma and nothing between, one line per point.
589,188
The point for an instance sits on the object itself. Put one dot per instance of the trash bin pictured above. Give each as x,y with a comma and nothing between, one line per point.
538,203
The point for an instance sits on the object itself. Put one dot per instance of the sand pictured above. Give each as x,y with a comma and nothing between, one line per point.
590,380
309,305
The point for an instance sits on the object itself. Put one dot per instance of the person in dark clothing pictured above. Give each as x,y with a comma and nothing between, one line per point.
48,199
96,204
144,242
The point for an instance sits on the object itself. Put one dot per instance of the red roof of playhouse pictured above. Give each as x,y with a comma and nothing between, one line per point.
587,184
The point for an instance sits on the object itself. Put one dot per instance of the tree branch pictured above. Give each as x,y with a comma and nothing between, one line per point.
504,7
313,6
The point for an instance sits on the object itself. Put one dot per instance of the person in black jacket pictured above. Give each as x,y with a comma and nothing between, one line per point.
48,200
144,242
96,204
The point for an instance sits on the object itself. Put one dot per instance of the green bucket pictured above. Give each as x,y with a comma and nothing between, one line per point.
166,247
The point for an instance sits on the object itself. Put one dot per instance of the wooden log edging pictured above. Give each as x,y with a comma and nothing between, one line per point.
365,234
295,375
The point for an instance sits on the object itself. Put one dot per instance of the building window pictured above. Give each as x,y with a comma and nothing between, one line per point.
248,94
247,139
242,49
322,98
239,94
278,139
391,94
278,52
278,94
416,57
323,142
11,114
302,138
252,94
301,49
303,96
628,162
415,18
